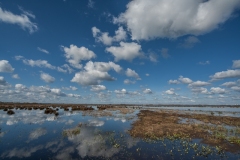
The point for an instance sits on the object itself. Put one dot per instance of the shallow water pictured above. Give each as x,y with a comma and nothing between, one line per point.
31,134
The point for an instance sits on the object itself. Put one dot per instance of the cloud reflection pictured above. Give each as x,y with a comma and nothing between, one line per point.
35,134
95,123
91,142
22,152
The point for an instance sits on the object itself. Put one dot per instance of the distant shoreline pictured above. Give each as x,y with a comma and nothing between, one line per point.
117,104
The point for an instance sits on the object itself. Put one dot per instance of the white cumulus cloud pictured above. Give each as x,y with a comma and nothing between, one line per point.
126,51
2,81
226,74
5,66
229,84
15,76
172,19
173,81
47,78
184,80
123,91
132,73
104,37
200,90
170,91
57,92
127,81
96,72
98,88
218,90
38,63
199,84
236,88
75,55
147,91
20,87
236,64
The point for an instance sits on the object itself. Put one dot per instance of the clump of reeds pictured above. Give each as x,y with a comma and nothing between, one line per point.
10,112
81,108
103,107
51,111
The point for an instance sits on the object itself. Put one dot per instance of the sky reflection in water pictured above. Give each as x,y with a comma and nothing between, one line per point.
72,135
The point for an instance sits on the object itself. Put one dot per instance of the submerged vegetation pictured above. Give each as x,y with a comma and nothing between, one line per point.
72,132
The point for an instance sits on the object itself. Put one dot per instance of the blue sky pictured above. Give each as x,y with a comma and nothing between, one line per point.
178,52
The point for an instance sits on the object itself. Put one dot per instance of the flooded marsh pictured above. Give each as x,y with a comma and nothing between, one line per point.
55,131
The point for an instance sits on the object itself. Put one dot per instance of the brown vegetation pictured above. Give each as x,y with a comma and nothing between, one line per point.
51,111
10,112
121,109
103,107
161,124
81,108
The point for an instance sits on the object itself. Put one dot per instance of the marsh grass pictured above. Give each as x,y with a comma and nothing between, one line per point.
66,109
51,111
10,112
81,108
103,107
122,110
161,124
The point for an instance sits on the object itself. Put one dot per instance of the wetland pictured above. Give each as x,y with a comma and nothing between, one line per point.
80,131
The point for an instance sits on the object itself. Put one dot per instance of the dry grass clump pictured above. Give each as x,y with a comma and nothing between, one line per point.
35,107
66,109
163,124
103,107
81,108
1,107
121,109
6,107
51,111
10,112
41,107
